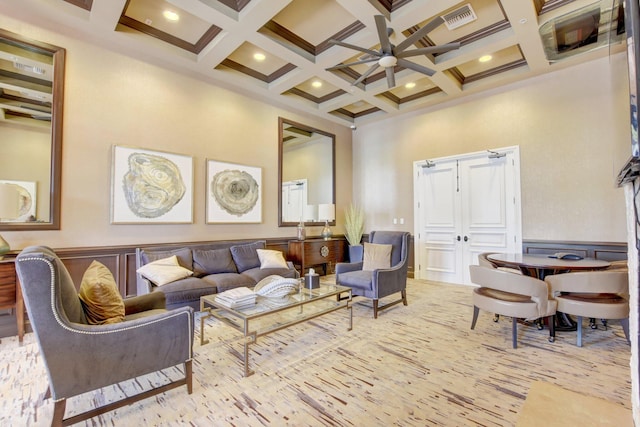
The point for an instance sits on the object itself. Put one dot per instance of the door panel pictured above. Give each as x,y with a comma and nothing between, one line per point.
465,206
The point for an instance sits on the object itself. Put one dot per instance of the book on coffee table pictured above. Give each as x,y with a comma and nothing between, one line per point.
236,298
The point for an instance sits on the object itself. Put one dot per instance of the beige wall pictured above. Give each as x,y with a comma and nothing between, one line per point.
114,99
573,132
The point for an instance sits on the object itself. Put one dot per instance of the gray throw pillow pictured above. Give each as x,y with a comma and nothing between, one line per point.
246,256
185,259
212,261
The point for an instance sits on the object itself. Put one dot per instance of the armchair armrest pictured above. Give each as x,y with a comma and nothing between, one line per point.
152,301
125,350
345,267
291,267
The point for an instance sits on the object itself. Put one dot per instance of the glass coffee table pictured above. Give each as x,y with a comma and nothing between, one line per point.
273,314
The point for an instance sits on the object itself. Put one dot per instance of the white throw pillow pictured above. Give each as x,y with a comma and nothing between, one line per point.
376,256
271,259
163,271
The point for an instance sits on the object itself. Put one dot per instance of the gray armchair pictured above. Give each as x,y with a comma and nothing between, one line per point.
379,283
80,357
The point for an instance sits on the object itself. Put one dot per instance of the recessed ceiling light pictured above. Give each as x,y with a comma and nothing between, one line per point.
485,58
410,85
259,56
316,84
170,15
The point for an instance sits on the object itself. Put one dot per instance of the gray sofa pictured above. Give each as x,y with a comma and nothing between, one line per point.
216,266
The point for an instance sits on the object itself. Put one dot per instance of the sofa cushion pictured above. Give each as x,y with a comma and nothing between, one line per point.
256,274
100,297
271,259
376,256
212,261
164,271
225,281
246,256
185,290
183,254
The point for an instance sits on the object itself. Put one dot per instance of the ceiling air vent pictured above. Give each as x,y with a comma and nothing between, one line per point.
459,17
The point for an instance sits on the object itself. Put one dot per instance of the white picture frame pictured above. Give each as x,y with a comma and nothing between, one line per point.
27,191
151,187
234,193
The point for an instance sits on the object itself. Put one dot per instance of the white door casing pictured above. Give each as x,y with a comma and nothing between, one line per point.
465,205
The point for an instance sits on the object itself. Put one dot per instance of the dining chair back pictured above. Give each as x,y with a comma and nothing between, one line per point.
513,295
600,294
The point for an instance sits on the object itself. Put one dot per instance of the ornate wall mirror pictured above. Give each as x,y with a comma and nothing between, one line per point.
306,173
31,100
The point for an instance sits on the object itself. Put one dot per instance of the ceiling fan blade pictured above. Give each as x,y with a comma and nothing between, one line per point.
366,74
391,79
415,67
340,66
427,50
383,35
418,34
354,47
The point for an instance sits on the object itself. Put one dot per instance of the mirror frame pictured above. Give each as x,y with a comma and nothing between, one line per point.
58,54
281,122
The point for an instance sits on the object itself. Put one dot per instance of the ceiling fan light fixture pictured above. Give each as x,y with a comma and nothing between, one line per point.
388,61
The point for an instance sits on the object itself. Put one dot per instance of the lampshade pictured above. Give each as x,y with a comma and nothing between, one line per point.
326,212
9,202
310,212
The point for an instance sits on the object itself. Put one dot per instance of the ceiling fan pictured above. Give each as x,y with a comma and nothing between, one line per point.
389,55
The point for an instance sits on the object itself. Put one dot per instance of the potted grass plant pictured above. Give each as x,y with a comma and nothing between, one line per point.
354,228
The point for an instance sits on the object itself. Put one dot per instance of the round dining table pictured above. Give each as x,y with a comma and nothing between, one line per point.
540,266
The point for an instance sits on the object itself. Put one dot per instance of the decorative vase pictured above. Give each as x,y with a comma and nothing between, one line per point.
356,253
301,231
326,231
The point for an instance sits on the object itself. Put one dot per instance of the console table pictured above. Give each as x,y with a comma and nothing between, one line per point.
317,252
10,293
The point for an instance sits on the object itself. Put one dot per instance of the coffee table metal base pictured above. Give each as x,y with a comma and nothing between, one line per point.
241,319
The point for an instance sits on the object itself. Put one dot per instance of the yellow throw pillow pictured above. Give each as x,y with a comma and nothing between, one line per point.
165,270
376,256
271,259
100,297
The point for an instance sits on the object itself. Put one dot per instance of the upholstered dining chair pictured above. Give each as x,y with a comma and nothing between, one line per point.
602,294
383,271
80,357
513,295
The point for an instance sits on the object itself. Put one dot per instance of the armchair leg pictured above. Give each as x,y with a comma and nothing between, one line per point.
514,332
58,413
188,371
552,328
476,310
375,308
404,296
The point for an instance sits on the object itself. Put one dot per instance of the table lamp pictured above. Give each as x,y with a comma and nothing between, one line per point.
326,212
9,209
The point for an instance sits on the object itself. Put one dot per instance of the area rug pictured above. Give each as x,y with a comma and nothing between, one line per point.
418,365
549,405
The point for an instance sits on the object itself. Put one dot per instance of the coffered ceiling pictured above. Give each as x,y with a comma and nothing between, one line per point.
279,50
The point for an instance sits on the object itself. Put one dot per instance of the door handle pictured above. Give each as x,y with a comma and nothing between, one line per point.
458,238
466,238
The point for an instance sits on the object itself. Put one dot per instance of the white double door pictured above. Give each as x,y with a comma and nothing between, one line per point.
465,205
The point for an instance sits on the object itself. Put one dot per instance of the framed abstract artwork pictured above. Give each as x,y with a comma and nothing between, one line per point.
234,193
25,210
151,187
